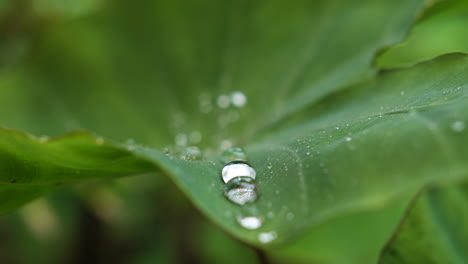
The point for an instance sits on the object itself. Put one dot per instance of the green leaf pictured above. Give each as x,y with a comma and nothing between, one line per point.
441,30
344,144
32,166
434,231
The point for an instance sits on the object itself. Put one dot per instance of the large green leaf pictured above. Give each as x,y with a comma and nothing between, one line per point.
343,143
434,231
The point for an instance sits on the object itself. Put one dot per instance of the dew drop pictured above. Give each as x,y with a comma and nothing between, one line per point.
348,138
269,166
458,126
241,190
166,151
238,99
192,153
237,169
233,154
267,237
250,222
308,153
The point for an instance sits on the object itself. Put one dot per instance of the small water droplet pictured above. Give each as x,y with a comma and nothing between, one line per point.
238,99
166,151
337,127
286,167
308,153
269,166
223,101
267,237
192,153
241,190
233,154
348,138
237,169
250,222
458,126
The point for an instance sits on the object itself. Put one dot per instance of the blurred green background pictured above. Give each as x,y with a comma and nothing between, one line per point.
146,219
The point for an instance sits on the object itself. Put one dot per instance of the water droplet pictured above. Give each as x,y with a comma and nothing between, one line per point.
237,169
241,190
250,222
458,126
223,101
337,127
286,167
348,138
192,153
234,153
181,139
267,237
238,99
166,151
269,166
308,153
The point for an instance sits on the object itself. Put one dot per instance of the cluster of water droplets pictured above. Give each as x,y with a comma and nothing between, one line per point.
241,189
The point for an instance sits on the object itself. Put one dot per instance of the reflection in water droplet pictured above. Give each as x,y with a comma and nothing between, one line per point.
267,237
250,222
458,126
237,169
223,101
233,154
238,99
241,190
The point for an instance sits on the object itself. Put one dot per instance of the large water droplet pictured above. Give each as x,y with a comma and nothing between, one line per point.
237,169
233,154
250,222
458,126
241,190
267,237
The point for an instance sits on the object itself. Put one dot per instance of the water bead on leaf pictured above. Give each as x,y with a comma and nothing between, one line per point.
241,190
236,169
